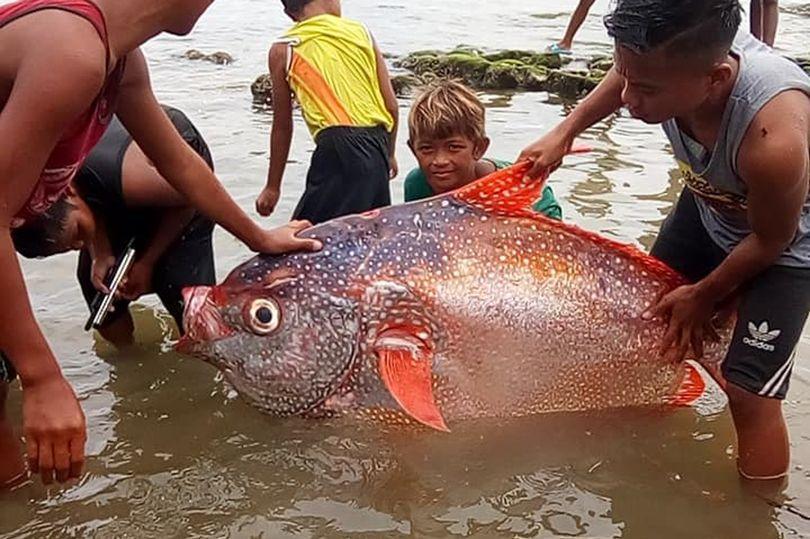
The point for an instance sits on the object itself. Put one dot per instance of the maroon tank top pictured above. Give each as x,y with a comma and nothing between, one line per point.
85,131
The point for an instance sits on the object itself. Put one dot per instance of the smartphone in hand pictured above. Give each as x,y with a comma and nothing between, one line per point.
100,307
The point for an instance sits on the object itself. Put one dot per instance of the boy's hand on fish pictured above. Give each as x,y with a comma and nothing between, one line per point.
284,239
267,200
54,428
100,267
138,281
393,167
690,313
546,154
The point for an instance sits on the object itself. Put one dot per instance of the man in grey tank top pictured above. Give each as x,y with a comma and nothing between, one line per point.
738,118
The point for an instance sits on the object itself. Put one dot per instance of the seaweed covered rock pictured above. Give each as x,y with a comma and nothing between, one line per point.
503,70
262,89
571,84
404,85
514,75
219,57
529,58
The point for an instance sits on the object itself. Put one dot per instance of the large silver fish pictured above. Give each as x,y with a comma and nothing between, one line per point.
461,306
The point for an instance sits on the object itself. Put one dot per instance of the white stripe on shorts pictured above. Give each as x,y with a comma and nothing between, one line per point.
772,387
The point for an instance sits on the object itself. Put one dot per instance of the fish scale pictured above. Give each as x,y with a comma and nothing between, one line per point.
461,306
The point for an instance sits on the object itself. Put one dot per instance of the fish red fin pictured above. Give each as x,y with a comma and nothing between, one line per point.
691,388
405,367
505,193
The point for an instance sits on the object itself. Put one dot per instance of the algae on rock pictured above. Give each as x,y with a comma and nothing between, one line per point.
219,57
262,89
501,70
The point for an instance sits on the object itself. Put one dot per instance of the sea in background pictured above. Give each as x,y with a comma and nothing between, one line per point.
173,453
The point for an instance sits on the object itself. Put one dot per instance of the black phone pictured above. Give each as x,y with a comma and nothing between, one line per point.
102,302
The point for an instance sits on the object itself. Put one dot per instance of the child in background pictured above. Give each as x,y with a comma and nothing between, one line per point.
335,70
448,138
567,42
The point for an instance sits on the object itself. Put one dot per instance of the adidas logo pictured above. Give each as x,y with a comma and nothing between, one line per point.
761,335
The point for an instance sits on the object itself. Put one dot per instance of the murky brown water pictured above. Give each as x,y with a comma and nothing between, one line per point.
174,454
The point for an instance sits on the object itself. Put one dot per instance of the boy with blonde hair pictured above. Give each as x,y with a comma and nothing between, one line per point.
336,72
448,139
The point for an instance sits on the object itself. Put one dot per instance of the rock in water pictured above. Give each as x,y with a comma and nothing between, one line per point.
219,58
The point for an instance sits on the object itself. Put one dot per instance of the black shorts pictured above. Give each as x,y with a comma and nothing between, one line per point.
349,173
189,261
772,310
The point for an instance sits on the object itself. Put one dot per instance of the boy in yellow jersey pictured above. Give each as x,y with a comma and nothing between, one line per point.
335,70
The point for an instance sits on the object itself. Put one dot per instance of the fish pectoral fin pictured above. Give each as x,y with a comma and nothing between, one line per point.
691,388
405,367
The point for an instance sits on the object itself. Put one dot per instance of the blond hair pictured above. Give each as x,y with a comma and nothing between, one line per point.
444,109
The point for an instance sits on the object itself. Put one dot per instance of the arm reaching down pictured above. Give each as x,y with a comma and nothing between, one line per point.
391,105
547,152
55,81
282,131
186,171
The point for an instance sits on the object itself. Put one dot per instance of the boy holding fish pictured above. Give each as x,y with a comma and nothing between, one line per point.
66,67
335,70
448,138
738,118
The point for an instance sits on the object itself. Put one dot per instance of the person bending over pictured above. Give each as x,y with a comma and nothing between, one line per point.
738,118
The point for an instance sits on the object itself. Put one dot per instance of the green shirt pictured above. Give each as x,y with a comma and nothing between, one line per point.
417,188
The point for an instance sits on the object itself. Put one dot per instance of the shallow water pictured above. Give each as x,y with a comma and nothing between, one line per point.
174,454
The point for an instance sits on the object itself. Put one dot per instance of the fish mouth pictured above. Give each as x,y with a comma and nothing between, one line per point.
202,320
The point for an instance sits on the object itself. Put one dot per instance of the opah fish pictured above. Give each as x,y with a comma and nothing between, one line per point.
461,306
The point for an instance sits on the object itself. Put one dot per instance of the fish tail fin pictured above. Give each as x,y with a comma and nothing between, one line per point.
690,389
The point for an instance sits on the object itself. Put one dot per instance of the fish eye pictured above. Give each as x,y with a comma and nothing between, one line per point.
264,316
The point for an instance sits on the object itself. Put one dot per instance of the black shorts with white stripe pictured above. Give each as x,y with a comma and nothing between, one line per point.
770,320
772,311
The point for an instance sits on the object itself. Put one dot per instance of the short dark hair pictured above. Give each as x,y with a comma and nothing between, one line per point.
294,6
40,236
689,28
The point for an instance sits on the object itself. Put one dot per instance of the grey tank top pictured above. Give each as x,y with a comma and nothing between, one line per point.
713,175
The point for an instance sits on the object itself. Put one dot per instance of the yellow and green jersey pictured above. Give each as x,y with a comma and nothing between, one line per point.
332,69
